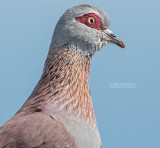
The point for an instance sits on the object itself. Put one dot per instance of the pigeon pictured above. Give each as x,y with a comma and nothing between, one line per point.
59,112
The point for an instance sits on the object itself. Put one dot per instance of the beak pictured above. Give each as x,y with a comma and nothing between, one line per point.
113,39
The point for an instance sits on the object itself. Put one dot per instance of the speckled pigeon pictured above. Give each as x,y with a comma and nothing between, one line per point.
59,112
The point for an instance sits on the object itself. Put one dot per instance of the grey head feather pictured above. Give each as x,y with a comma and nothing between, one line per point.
71,33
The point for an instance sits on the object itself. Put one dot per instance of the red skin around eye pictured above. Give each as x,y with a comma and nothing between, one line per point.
83,19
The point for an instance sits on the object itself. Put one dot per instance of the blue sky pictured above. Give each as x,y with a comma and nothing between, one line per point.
127,117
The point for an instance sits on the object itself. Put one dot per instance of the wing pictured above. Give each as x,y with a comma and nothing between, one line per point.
35,131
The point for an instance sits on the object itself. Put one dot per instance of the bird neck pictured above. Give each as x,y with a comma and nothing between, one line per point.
64,86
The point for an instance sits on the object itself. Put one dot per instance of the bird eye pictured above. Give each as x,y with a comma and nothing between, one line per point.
91,20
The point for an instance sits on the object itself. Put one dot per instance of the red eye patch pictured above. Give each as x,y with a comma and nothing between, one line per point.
92,20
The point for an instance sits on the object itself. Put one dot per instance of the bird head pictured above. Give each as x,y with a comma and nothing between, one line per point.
85,28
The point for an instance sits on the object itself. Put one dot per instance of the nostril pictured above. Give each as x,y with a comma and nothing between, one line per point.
112,35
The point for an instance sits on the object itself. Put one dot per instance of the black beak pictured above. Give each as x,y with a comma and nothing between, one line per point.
113,39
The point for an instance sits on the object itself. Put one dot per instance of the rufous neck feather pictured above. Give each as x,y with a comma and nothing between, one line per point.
64,86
